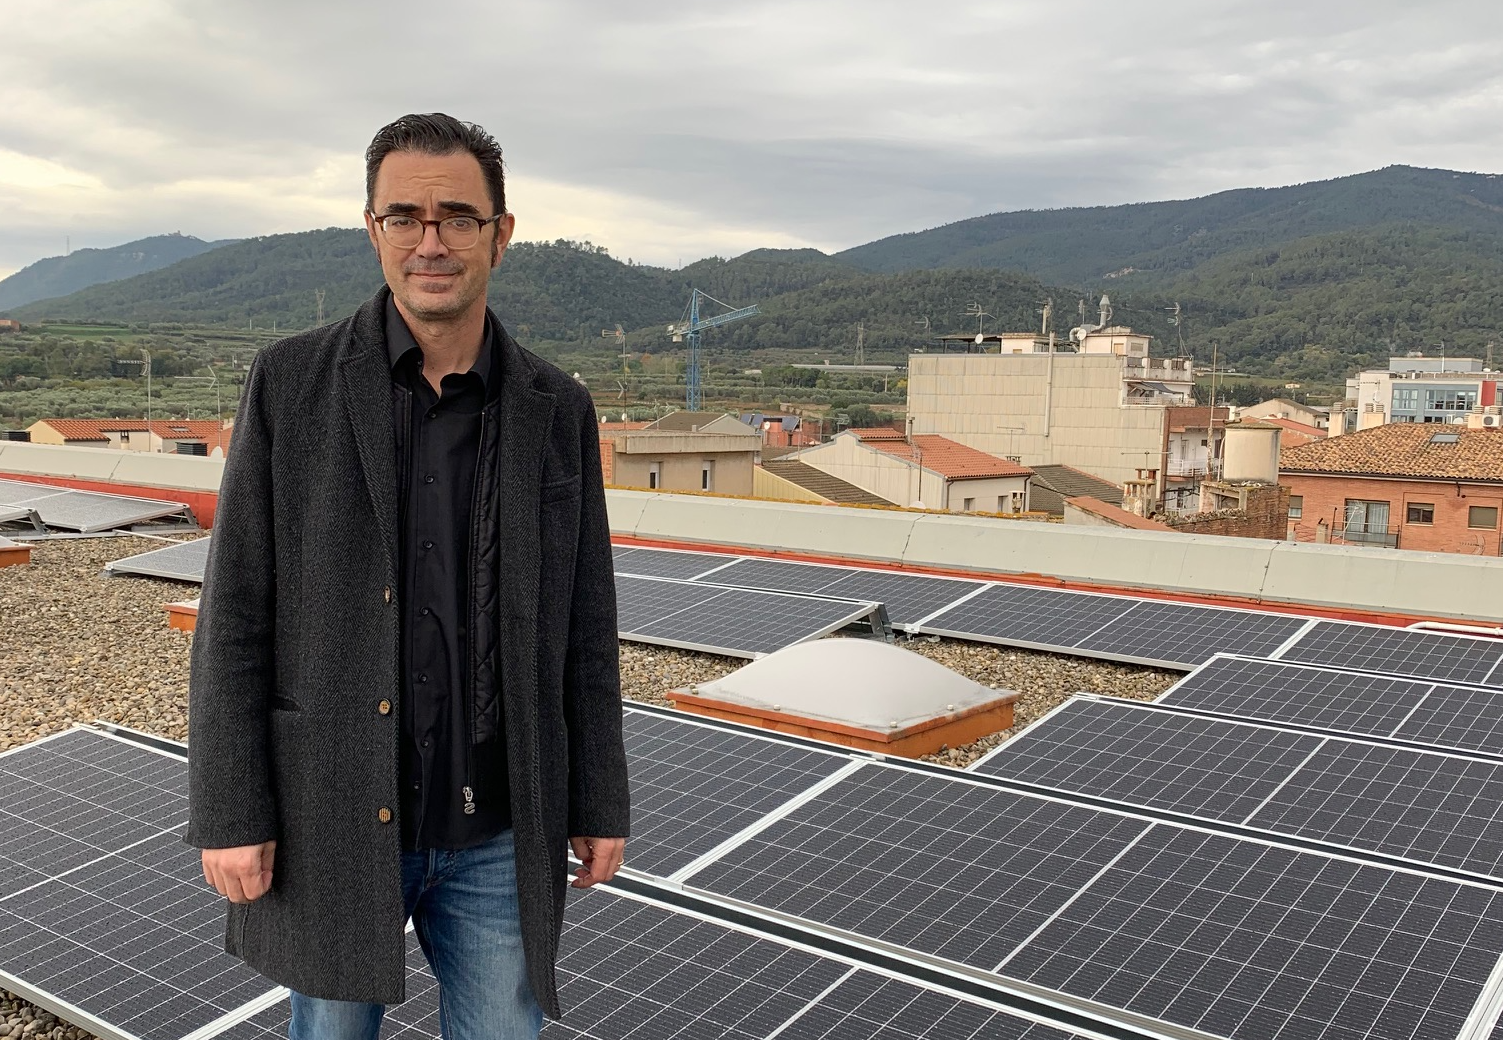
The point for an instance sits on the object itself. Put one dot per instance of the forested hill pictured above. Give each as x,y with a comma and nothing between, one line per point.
1154,243
61,275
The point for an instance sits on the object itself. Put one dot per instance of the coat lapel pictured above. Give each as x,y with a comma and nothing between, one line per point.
365,389
525,427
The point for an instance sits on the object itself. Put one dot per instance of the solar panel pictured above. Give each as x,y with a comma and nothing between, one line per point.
1318,697
693,786
634,969
669,563
950,868
114,920
1427,807
1245,940
1397,651
184,561
780,575
21,515
1235,937
735,622
1023,615
1412,710
1184,763
1184,635
86,511
909,597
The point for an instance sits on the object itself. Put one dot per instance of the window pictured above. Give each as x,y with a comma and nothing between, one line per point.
969,506
1482,518
707,475
1367,523
1420,513
1296,506
655,475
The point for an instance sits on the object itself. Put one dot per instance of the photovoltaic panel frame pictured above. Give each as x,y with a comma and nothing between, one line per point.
182,561
732,621
1413,711
1426,807
1233,936
87,512
1441,656
668,563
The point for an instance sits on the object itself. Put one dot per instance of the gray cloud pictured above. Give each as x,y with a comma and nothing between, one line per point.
666,130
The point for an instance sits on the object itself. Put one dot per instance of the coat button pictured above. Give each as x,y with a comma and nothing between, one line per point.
384,707
383,814
387,593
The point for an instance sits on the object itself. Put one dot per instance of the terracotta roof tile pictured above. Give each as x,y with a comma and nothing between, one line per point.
1294,426
951,459
1403,450
1194,417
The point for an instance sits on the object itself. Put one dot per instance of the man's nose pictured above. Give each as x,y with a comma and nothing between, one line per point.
431,244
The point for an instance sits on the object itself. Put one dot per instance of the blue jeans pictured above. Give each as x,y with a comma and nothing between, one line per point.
464,908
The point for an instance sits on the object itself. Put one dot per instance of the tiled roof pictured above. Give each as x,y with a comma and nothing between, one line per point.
950,459
821,483
876,433
1053,484
1403,450
170,429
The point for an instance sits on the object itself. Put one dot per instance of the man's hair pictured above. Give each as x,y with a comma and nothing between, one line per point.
437,134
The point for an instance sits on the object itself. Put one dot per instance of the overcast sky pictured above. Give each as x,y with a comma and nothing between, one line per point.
667,130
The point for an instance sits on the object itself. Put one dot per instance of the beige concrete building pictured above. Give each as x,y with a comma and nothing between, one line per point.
926,472
670,461
1102,411
1280,408
162,436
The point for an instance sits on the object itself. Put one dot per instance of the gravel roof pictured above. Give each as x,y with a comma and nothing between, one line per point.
80,646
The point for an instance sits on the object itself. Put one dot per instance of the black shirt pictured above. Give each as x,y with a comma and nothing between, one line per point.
454,796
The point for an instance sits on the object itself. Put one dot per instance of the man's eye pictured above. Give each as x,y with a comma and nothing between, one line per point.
462,223
400,223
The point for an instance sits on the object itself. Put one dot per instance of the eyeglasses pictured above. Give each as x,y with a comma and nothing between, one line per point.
403,231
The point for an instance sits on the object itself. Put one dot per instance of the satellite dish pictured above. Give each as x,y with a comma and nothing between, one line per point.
980,338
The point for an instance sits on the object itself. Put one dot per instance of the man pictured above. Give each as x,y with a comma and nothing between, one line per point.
404,698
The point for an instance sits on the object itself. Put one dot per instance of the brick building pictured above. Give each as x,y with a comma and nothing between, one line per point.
1404,485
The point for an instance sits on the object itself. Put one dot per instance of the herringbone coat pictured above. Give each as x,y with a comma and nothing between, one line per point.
300,608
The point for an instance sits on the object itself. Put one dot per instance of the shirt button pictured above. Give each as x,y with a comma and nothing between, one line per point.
425,743
387,593
427,544
425,611
384,707
422,677
383,814
428,479
433,414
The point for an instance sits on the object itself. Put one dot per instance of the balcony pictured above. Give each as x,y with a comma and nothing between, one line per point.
1363,534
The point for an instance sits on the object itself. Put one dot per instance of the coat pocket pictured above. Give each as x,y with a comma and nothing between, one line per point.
559,490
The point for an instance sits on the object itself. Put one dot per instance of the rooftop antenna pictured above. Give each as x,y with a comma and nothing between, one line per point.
1177,320
974,310
619,335
1048,313
318,294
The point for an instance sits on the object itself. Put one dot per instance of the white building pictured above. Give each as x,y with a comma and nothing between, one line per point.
922,471
1415,389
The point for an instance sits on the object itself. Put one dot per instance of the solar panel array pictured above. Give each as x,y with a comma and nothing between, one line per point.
182,561
1403,709
117,932
1112,627
1399,651
731,621
86,512
1429,807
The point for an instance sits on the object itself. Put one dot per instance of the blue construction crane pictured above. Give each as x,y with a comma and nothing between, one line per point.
690,328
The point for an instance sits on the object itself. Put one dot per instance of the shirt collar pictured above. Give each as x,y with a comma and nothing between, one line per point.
400,342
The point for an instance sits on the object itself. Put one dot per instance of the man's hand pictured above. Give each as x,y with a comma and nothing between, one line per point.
601,857
241,874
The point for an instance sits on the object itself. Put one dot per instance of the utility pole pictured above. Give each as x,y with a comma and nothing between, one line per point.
860,343
318,294
975,311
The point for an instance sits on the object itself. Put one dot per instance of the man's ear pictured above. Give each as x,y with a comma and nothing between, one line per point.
505,228
370,230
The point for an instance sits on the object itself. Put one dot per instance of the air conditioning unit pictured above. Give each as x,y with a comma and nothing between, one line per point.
1492,420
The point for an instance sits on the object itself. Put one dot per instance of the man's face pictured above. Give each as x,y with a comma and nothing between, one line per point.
432,281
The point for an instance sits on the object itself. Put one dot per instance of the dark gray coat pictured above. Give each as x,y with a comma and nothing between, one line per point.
299,604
